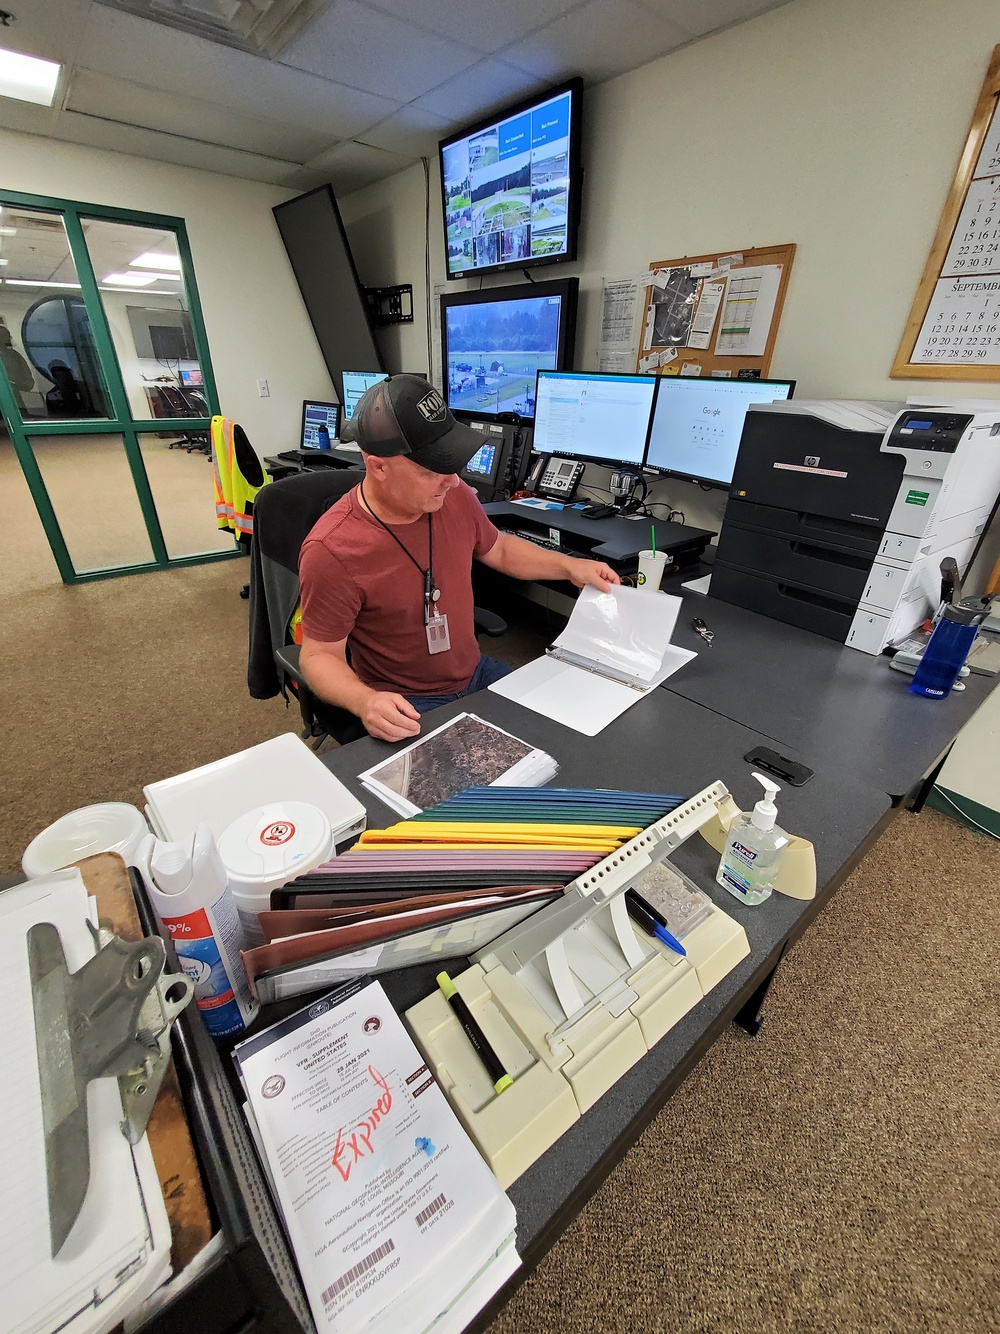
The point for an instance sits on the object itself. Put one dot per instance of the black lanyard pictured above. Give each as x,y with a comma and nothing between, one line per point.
430,591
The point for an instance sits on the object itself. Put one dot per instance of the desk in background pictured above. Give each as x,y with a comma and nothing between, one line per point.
292,461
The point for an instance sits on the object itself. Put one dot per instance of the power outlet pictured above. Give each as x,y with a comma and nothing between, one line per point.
262,390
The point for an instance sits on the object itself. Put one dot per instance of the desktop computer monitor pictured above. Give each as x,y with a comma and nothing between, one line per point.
697,425
594,418
319,419
355,384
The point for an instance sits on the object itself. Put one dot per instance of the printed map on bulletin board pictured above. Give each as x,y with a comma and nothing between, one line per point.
714,315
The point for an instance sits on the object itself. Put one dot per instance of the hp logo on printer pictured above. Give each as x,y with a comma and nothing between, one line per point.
812,460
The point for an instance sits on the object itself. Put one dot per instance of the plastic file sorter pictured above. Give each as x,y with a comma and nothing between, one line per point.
573,997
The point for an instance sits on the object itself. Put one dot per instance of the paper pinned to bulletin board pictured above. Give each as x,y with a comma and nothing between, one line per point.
714,315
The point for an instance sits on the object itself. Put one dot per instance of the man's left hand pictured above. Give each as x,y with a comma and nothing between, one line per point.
592,572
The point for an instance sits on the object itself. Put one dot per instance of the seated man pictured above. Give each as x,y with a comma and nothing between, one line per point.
388,569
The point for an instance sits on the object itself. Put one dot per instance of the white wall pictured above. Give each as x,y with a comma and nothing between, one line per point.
257,325
836,124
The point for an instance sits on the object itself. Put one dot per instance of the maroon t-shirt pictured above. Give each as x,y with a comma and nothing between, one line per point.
357,584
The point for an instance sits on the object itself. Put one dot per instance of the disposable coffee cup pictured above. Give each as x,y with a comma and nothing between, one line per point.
651,565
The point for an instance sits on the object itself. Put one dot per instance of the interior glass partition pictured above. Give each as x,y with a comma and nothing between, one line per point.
102,344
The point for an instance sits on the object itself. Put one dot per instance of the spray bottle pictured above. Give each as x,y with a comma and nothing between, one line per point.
190,893
754,848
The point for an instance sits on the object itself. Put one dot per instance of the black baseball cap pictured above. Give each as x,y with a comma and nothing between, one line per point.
407,415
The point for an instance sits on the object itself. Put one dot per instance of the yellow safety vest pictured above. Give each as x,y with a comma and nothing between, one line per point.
238,477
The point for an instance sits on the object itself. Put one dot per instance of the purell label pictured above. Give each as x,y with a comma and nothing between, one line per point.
746,855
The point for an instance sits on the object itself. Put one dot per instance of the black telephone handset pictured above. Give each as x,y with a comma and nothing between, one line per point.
554,478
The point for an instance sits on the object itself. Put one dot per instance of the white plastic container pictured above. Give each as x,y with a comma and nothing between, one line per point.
754,848
189,890
112,826
266,848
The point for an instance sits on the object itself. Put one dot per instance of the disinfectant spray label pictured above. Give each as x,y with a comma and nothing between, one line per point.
214,992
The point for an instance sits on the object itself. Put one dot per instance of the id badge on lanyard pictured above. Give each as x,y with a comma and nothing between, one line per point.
438,638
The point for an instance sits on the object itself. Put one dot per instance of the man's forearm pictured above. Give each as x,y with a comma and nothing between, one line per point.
526,560
334,681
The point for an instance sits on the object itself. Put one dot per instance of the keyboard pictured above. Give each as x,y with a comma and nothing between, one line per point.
545,542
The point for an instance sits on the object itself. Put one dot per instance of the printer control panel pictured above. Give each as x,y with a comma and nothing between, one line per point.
929,430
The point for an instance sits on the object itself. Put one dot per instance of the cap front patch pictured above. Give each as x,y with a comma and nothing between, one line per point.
431,406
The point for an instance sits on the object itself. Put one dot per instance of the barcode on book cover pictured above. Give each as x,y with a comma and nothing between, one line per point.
431,1210
362,1267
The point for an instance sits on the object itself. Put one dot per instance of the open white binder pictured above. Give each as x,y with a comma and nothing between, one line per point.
614,650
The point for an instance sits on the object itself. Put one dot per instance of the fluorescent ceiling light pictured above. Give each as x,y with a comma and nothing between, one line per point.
131,279
152,260
4,261
130,290
8,231
27,78
37,282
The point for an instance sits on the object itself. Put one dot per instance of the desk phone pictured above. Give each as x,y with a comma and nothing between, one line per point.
556,478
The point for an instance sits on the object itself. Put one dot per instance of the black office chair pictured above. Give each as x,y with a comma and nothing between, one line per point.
284,513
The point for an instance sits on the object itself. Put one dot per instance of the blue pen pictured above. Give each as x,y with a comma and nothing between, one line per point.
651,921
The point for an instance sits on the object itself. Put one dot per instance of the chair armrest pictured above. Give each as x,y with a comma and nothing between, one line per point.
287,658
488,623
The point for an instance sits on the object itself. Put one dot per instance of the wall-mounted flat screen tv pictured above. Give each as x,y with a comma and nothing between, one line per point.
493,343
511,186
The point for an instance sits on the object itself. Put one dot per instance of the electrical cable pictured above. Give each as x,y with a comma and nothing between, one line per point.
965,814
427,264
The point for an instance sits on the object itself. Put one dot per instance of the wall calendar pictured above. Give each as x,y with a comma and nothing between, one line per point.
954,327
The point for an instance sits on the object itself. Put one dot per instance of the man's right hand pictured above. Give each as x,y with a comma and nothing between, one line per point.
390,717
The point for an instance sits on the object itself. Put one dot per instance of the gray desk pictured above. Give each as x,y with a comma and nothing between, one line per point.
670,744
615,540
833,708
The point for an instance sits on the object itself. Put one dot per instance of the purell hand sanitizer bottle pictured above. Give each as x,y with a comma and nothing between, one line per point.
754,849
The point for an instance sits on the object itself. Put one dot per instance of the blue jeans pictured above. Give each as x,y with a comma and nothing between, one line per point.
488,671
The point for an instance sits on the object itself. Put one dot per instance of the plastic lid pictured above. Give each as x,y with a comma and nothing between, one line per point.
765,812
272,844
110,826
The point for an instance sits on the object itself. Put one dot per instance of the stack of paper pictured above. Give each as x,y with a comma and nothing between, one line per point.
118,1250
615,649
460,754
396,1222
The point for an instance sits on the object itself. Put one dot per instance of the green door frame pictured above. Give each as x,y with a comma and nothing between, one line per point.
121,422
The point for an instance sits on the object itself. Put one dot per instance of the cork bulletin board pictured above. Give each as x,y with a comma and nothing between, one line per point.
953,332
714,315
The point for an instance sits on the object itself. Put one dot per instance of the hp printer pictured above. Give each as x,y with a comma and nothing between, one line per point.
840,512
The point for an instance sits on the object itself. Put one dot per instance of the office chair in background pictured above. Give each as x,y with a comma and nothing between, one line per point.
284,514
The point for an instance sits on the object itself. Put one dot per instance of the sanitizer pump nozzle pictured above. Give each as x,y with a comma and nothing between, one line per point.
765,813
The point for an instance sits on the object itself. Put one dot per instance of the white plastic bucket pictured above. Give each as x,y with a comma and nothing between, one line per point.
112,826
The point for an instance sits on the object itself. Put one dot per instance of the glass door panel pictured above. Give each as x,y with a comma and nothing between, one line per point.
94,498
46,341
183,488
138,271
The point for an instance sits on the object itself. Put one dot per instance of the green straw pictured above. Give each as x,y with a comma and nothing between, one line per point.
652,536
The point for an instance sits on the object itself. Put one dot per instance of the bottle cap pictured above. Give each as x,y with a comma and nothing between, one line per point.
765,813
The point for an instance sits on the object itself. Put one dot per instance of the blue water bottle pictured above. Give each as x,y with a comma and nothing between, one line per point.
946,651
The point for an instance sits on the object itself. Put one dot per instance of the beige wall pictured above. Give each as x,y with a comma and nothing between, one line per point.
257,325
835,124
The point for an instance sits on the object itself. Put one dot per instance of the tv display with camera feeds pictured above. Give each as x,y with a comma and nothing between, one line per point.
493,344
697,424
511,186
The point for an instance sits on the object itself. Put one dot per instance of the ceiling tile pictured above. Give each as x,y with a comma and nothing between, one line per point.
410,131
169,148
132,104
350,166
476,92
702,16
51,29
357,46
599,40
189,66
485,27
